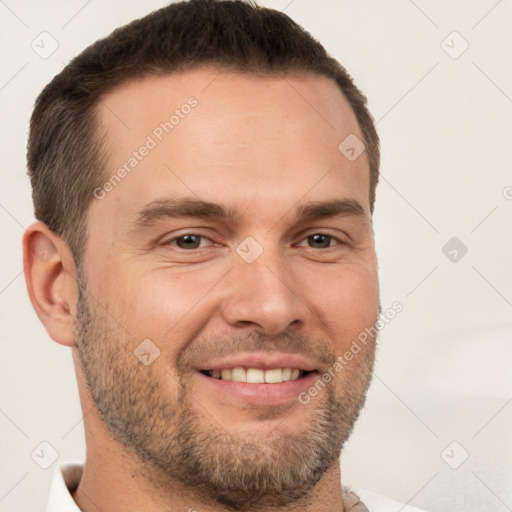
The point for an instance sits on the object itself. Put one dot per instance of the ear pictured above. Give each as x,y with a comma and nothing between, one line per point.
50,274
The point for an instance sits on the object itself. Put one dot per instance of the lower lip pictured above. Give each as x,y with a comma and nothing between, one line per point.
262,394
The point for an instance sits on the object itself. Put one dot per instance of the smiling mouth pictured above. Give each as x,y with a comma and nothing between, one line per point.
257,375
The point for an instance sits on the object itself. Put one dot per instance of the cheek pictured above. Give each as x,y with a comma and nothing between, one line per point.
346,301
166,307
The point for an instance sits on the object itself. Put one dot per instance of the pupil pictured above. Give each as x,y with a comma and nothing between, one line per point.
320,240
188,241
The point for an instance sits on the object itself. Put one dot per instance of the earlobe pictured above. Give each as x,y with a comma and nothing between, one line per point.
50,275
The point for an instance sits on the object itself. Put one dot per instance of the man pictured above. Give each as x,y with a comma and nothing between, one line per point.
204,180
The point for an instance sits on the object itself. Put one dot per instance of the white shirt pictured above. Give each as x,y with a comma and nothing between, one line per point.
67,476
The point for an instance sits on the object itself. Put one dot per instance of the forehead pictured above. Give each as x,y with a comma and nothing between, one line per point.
229,137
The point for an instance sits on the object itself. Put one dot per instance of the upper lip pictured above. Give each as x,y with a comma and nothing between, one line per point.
262,360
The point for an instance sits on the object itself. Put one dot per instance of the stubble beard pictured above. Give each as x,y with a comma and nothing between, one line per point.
170,434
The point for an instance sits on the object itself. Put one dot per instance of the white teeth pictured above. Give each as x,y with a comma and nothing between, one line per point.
287,374
257,375
239,375
226,374
272,376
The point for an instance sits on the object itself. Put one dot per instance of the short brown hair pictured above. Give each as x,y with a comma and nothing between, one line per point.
66,154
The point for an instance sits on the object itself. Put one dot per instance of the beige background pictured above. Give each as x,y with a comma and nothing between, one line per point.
446,126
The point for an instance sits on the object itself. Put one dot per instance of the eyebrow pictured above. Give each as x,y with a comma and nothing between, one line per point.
327,209
190,207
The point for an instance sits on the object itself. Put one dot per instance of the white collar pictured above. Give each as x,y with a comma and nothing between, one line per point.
65,479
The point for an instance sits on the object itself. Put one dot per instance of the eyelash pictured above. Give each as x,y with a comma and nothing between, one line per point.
173,241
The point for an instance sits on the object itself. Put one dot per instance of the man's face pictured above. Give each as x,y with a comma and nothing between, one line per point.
242,239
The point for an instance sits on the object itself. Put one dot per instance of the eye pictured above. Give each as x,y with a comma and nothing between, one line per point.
189,241
320,241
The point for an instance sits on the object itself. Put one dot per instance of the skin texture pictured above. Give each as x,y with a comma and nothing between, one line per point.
160,436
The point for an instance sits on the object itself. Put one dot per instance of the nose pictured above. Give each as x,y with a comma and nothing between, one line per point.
263,294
